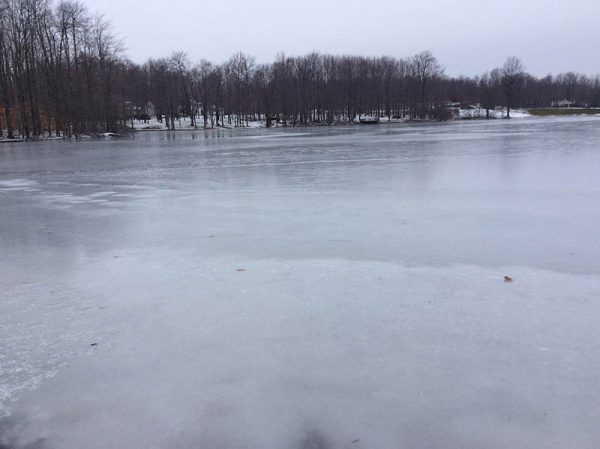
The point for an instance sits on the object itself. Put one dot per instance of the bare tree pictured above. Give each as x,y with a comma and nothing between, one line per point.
180,65
489,84
426,68
513,74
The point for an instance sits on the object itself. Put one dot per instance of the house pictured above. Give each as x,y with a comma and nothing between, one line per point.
149,109
566,104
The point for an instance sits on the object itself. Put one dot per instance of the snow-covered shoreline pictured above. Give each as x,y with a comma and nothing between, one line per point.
183,124
496,113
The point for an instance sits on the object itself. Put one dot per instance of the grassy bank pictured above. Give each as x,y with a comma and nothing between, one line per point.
563,111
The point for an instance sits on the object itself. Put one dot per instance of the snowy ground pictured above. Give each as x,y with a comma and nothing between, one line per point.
480,113
185,123
335,287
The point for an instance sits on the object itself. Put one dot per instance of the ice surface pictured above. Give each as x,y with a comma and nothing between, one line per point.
338,287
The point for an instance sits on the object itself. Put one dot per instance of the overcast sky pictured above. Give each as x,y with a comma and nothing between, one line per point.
467,36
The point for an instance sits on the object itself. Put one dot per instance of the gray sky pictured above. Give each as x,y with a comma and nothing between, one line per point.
467,36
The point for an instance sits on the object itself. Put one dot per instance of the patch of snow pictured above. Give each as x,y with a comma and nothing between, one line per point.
480,113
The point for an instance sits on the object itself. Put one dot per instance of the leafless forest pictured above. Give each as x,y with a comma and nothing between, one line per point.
64,73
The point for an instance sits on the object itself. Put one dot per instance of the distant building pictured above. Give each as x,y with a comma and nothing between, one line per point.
566,104
149,109
453,108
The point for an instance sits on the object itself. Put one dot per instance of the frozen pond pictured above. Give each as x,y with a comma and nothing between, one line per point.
305,289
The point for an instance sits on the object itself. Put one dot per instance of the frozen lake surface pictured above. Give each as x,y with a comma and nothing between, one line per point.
304,289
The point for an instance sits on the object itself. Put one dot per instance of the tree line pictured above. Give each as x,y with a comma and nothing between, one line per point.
63,73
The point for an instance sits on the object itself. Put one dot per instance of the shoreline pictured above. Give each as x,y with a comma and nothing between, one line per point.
131,131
